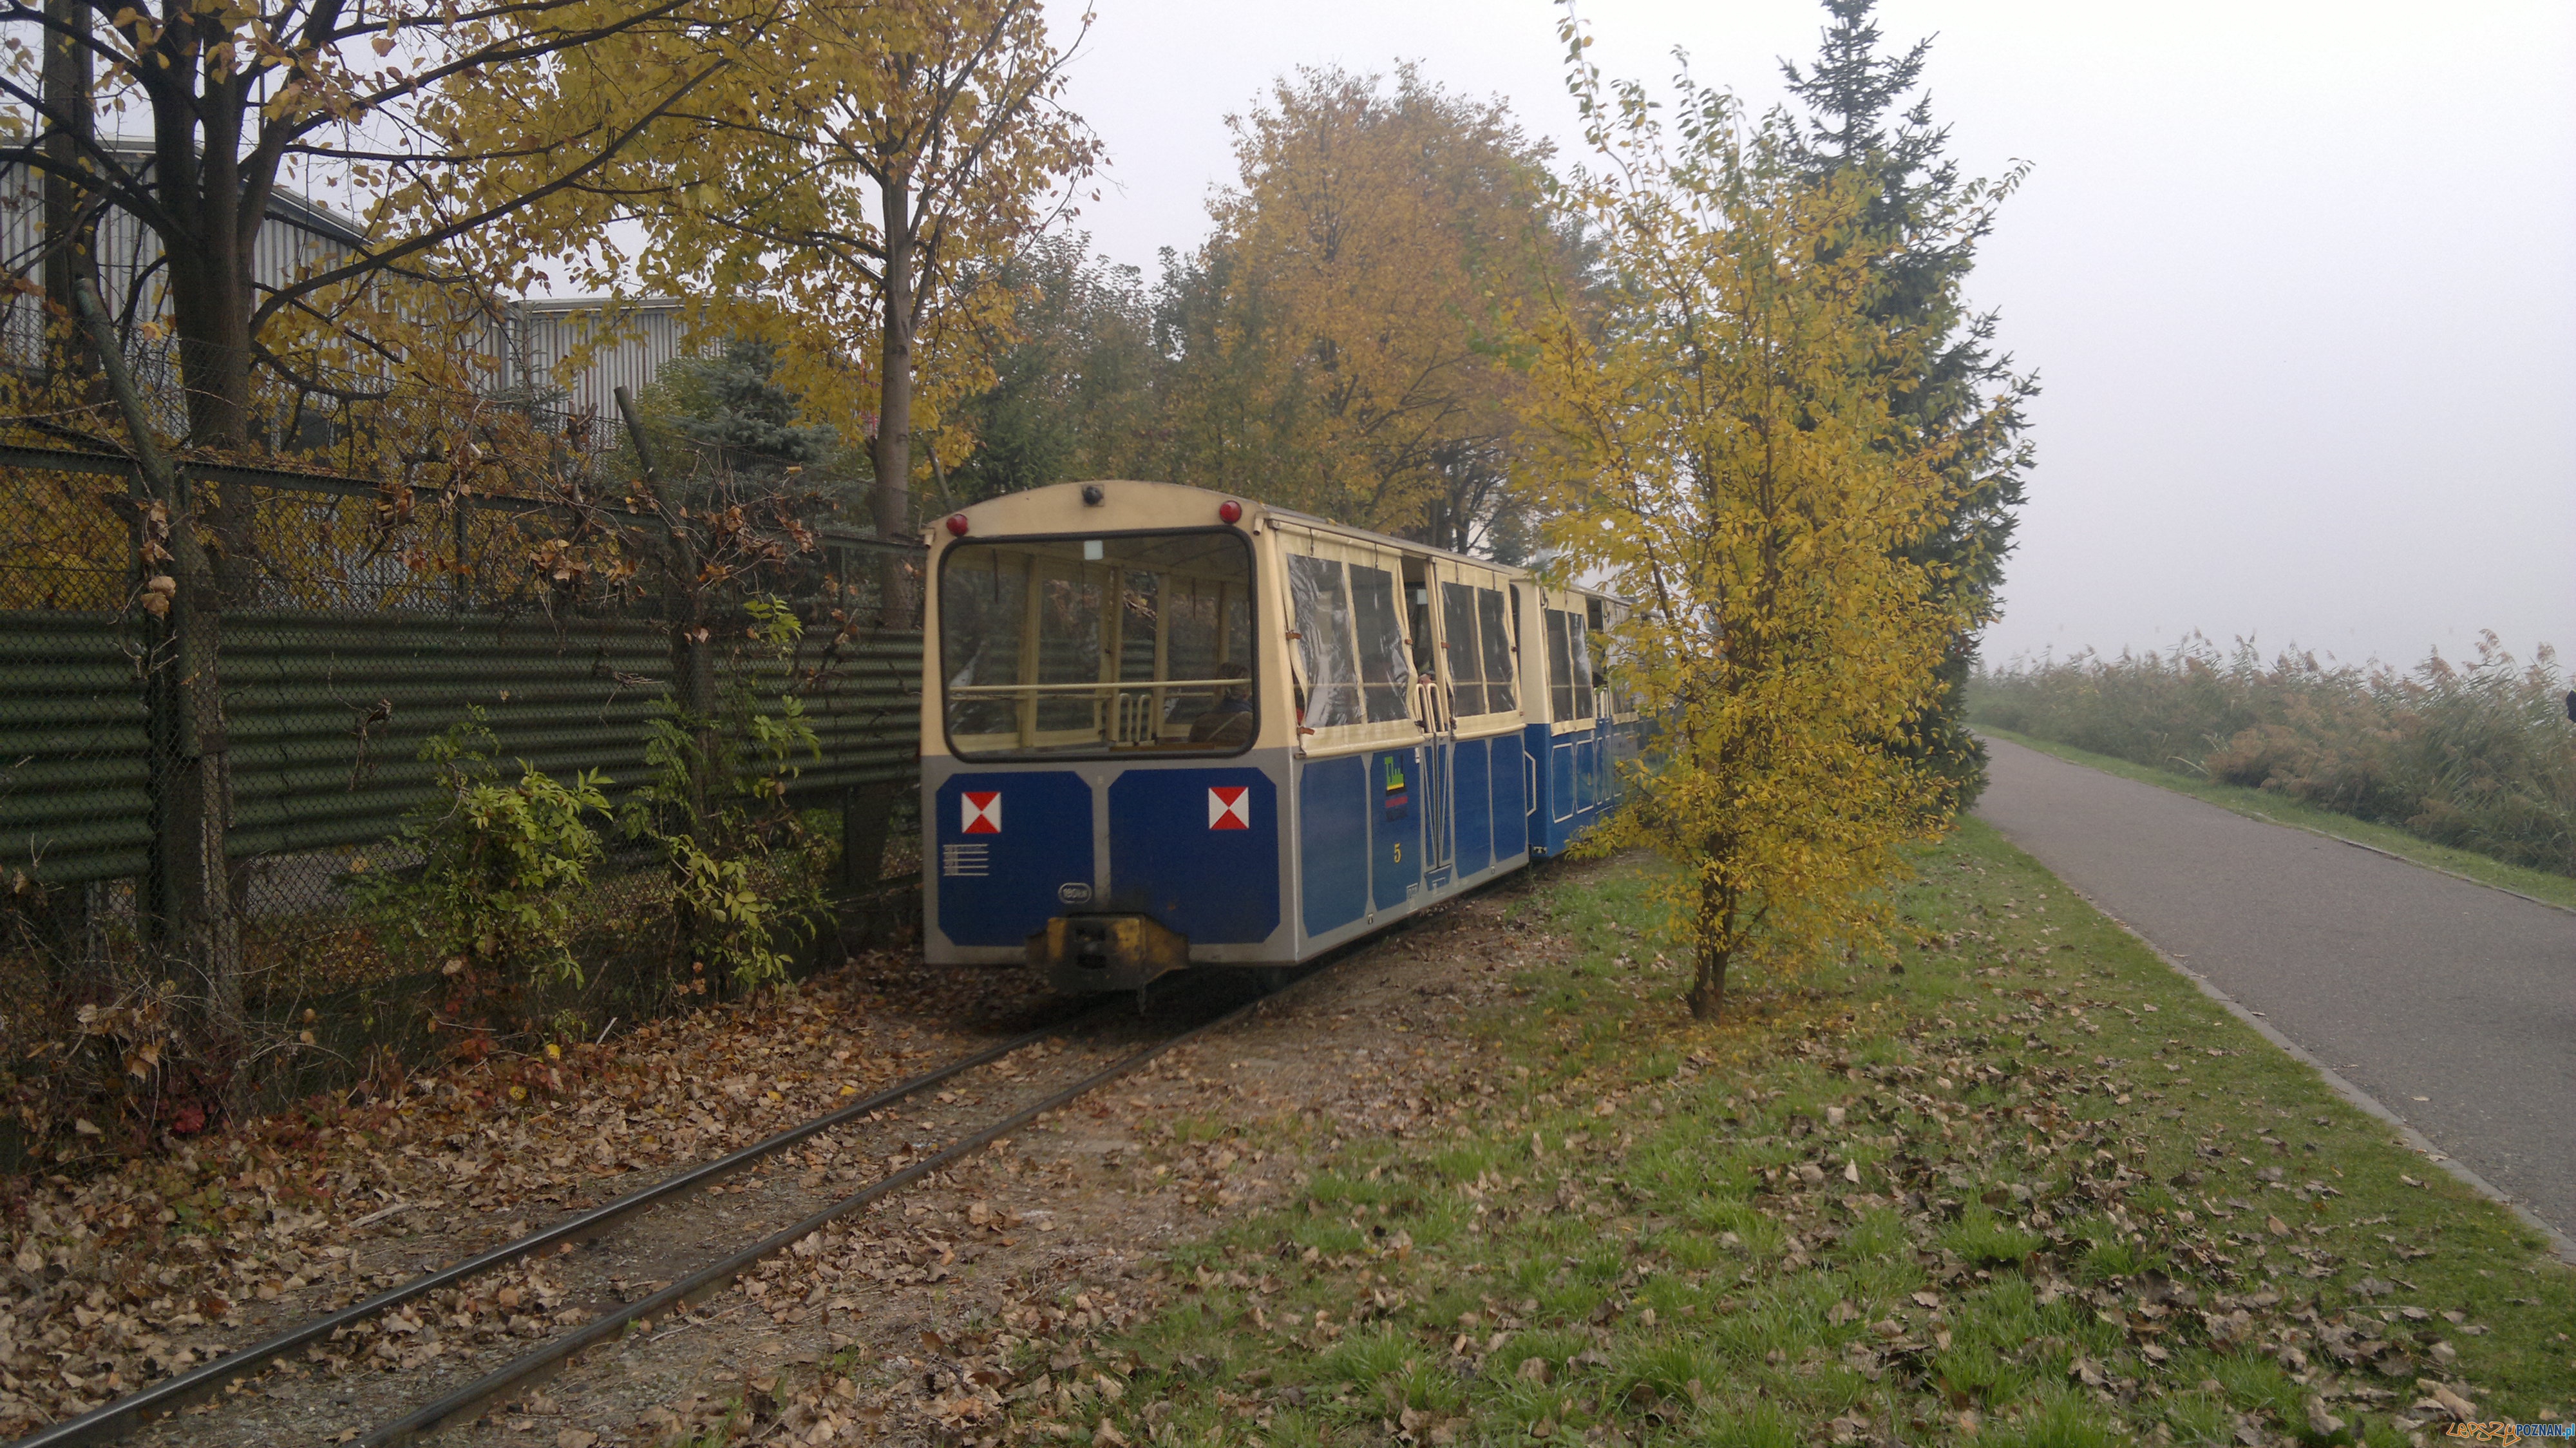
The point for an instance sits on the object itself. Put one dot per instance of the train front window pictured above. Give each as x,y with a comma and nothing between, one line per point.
1141,643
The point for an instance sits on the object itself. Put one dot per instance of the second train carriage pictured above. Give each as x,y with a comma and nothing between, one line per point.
1163,726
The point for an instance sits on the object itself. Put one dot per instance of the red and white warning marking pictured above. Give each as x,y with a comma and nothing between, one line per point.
1229,807
983,811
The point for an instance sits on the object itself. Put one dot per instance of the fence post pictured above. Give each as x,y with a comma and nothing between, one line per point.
193,922
693,676
867,815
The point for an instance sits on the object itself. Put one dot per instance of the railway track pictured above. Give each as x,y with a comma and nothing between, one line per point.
137,1410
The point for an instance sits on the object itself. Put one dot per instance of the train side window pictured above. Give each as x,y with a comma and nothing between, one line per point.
1560,667
1324,644
1498,652
1580,643
1386,669
1622,702
1458,641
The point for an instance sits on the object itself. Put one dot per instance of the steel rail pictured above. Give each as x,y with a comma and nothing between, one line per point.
113,1420
544,1362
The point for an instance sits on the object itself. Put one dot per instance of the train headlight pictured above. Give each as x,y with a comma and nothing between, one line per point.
957,525
1229,511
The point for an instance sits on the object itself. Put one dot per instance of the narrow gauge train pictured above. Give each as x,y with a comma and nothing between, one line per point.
1164,727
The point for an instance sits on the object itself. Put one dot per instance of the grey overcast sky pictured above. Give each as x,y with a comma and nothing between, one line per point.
2299,279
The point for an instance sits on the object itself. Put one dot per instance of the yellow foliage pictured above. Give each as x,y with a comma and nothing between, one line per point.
1365,283
846,183
1729,460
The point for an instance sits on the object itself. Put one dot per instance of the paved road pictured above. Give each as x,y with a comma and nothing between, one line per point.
2453,1004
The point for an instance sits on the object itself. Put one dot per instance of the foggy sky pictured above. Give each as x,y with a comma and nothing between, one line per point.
2296,278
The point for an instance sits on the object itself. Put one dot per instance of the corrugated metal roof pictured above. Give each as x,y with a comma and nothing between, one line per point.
300,212
527,346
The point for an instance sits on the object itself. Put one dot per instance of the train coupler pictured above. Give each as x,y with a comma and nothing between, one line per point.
1086,953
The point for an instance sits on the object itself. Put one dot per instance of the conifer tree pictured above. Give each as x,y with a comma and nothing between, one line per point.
734,402
1921,221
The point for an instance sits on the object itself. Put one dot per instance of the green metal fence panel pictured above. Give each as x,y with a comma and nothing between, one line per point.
326,713
74,747
866,711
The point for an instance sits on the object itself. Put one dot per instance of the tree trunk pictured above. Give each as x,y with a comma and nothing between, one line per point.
693,672
67,75
693,685
191,776
210,283
70,923
893,451
1715,933
219,210
867,813
198,817
1708,988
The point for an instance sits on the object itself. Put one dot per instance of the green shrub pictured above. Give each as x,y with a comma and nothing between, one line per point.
491,905
745,869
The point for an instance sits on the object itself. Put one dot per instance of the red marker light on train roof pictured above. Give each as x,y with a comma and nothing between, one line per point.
957,525
1229,511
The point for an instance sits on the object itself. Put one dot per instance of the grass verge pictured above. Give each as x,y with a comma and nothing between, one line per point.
2021,1185
2282,810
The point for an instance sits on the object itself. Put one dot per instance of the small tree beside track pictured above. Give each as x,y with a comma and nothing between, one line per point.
1731,459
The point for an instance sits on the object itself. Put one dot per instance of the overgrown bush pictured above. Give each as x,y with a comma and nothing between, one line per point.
745,869
102,1069
2479,754
505,901
493,903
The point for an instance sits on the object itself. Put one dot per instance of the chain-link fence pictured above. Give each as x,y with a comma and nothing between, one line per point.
242,655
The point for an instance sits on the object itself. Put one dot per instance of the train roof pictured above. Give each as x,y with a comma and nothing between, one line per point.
1291,515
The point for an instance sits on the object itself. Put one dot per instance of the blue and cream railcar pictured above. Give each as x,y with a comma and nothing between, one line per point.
1587,726
1164,727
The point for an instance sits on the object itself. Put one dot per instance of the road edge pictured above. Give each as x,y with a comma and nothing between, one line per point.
2250,813
2561,1244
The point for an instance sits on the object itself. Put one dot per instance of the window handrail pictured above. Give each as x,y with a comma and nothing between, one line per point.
1100,684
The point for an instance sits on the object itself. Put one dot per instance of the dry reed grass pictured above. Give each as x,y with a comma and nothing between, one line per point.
2479,754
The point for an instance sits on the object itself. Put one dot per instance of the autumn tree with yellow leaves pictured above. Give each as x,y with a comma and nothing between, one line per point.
1347,336
193,117
854,194
1729,458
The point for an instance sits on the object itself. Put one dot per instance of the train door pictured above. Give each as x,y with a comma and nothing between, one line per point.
1439,728
1618,707
1570,781
1477,695
1359,765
